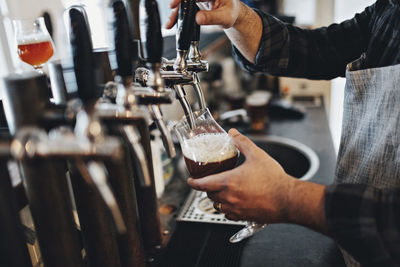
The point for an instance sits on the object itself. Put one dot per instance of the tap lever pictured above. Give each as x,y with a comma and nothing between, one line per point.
154,40
154,45
183,33
94,175
196,27
83,58
122,39
134,140
184,25
195,63
194,52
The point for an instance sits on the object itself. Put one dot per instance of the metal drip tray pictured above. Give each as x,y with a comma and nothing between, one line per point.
199,208
297,159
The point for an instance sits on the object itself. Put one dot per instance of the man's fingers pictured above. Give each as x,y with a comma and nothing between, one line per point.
244,144
174,3
211,17
218,196
172,19
209,183
231,216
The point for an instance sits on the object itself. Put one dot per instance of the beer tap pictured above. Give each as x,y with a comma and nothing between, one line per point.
134,6
127,97
172,78
13,249
25,100
103,246
186,16
31,143
126,120
154,47
194,52
194,65
183,33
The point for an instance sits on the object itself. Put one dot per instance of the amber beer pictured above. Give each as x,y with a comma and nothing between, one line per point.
35,52
209,153
256,105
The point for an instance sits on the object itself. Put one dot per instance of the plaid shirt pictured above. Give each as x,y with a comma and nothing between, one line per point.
323,53
363,220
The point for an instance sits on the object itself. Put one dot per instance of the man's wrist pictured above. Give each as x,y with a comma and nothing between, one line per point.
287,198
242,16
305,205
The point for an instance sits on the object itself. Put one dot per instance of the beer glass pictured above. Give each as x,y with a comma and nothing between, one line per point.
208,149
256,105
34,44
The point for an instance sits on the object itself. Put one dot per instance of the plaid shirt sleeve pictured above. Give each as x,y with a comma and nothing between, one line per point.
365,222
321,53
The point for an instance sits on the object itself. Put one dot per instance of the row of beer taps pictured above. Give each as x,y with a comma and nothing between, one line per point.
98,142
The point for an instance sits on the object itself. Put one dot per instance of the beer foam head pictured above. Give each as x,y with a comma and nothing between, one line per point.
33,39
258,98
210,147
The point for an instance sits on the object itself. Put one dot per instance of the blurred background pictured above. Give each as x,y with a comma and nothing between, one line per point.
305,13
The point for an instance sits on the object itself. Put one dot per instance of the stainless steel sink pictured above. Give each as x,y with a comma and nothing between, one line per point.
297,159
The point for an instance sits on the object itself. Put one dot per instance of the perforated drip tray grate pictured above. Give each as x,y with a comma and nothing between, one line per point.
199,208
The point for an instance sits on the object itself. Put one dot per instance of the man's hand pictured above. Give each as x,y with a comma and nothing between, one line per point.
256,191
260,190
242,24
223,12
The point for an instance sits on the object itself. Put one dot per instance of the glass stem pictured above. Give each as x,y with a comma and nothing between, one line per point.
39,69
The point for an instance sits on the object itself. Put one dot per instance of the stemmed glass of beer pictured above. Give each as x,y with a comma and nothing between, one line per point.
34,43
207,149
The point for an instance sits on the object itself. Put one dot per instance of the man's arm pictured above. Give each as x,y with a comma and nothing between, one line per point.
322,53
262,43
245,34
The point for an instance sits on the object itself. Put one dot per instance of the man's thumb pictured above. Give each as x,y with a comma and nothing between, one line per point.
243,143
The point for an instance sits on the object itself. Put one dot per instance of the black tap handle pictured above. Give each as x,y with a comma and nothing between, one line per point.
82,54
122,39
196,27
154,40
185,24
133,7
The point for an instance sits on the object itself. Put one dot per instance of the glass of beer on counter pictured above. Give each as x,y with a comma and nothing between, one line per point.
256,105
207,149
34,43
